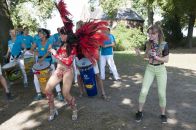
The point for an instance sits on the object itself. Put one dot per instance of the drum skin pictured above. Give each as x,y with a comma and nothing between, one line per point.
12,71
43,73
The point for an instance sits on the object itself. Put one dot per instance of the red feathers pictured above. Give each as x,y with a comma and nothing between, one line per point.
91,37
62,8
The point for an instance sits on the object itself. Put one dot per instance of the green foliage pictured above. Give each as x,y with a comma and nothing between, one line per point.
140,7
28,13
128,38
172,29
110,7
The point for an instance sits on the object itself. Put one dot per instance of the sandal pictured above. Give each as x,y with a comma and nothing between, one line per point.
104,97
53,114
74,115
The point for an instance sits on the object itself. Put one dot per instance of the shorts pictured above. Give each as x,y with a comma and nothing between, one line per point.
0,70
95,68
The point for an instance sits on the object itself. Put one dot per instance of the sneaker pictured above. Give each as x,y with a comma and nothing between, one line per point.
26,85
138,116
81,95
9,96
60,97
118,79
38,97
163,118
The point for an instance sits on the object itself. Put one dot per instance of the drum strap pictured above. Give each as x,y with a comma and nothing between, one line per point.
42,56
17,56
48,57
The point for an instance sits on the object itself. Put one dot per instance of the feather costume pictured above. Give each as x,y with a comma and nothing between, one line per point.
89,36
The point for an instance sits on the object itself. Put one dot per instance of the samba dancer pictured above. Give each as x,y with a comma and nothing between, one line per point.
85,41
43,55
27,39
64,71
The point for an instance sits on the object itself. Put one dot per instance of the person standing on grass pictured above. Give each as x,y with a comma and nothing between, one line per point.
157,53
107,56
5,86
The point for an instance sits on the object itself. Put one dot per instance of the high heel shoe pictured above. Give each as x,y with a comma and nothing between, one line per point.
53,114
74,115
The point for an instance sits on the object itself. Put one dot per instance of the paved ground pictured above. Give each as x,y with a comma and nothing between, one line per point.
118,114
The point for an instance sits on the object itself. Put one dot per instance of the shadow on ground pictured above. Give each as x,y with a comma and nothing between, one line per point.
118,114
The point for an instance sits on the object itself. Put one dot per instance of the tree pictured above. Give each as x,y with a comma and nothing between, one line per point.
16,12
183,13
190,11
110,7
40,10
6,24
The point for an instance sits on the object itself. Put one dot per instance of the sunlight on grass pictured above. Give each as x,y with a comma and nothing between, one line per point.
172,121
187,126
137,78
185,61
30,117
116,84
171,112
127,101
186,105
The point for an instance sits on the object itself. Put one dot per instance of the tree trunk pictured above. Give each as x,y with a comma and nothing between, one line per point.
190,29
150,15
6,24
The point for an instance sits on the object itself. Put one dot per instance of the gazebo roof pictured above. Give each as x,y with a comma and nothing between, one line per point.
128,14
122,14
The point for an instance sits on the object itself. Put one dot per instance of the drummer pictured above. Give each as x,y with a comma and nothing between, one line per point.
12,34
43,55
56,44
56,40
15,46
5,86
97,78
27,39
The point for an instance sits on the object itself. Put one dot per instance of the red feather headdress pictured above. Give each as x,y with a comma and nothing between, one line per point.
90,35
62,8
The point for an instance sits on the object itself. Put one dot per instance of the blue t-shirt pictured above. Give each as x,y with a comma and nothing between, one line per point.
56,40
108,50
10,44
27,40
36,38
42,50
17,46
